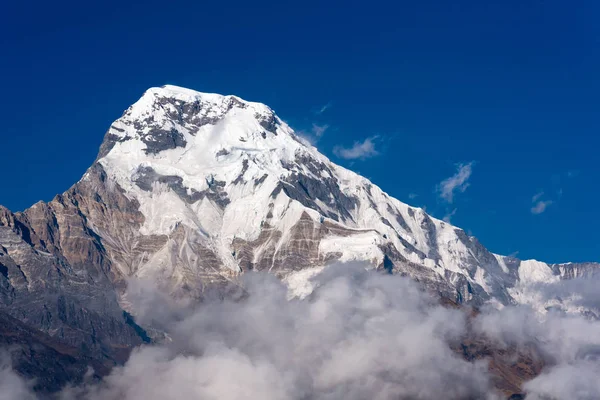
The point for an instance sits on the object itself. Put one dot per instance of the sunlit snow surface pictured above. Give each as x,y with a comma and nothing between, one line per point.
236,149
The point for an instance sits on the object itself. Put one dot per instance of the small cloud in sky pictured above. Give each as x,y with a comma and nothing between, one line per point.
323,108
314,134
537,196
359,150
412,196
540,206
459,182
449,216
319,130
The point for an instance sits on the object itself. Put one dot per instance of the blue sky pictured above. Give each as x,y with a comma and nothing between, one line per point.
484,112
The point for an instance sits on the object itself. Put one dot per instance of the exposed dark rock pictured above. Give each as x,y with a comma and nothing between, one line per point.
510,367
110,140
268,122
192,115
430,230
466,292
146,177
399,219
307,188
49,362
222,152
260,180
58,276
576,270
410,248
235,102
157,140
240,177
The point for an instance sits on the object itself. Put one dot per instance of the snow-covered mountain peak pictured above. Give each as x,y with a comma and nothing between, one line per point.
217,102
220,176
169,117
193,135
202,153
228,168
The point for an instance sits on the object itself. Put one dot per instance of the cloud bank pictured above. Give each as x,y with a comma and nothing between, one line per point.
360,334
12,386
569,345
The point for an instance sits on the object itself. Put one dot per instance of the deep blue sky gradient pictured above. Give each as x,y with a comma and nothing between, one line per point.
510,85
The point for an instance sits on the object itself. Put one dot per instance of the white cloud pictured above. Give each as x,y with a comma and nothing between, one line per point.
541,206
359,150
458,182
314,134
324,108
12,386
537,196
449,216
319,130
567,345
360,335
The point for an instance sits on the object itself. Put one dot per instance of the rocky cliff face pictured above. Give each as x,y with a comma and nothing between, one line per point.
55,276
192,189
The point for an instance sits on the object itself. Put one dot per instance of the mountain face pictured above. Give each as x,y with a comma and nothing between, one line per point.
192,189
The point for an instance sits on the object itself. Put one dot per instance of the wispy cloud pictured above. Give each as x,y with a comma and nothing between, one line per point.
314,134
459,182
537,196
319,130
323,108
412,196
541,206
359,150
449,216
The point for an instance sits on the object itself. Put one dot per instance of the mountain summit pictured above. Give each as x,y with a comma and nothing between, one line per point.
192,189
